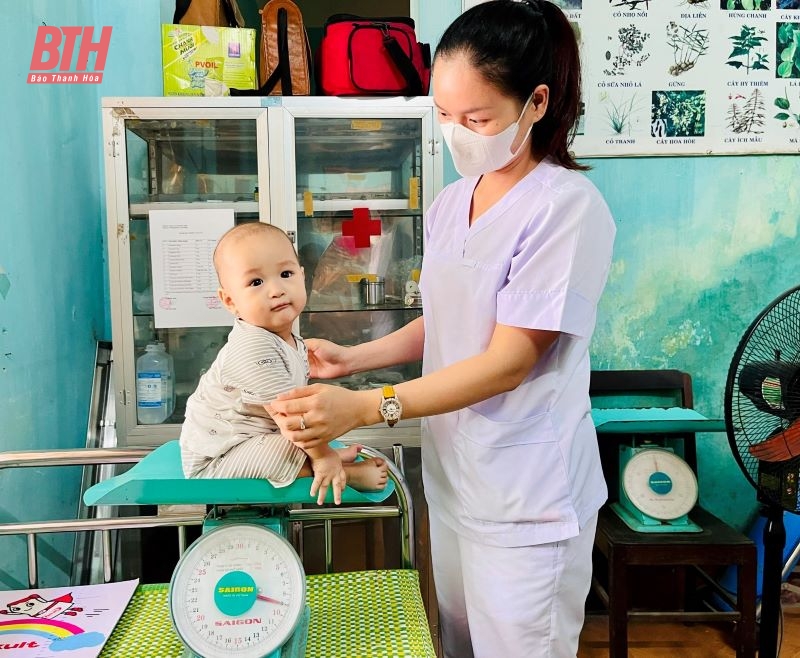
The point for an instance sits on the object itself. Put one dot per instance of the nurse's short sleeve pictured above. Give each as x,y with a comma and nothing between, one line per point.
561,264
256,366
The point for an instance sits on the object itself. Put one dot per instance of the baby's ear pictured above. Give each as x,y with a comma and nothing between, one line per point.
226,300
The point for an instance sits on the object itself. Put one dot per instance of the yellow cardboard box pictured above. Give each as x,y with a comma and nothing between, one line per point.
200,60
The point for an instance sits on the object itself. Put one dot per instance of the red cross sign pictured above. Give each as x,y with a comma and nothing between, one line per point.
361,227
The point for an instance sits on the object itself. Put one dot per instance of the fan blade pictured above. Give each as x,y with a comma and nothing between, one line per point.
772,386
782,446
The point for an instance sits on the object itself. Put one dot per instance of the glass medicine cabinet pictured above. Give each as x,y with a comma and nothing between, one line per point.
348,179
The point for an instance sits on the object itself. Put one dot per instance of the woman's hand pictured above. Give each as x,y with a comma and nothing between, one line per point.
326,359
313,415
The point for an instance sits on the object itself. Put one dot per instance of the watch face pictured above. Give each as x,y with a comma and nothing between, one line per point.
391,409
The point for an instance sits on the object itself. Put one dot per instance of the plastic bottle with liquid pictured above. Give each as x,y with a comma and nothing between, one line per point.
155,385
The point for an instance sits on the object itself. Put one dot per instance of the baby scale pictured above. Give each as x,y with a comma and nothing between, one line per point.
657,489
240,588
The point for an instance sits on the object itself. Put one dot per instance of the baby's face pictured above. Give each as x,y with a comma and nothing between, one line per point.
262,281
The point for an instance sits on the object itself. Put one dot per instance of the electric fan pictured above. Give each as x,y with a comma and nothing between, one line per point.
762,419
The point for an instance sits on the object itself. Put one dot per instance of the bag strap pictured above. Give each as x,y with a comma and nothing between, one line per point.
283,53
181,7
347,18
233,15
402,62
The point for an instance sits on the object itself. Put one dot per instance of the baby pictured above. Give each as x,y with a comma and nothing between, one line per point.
228,432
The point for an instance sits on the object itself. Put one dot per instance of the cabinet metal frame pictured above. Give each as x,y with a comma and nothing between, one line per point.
115,113
274,118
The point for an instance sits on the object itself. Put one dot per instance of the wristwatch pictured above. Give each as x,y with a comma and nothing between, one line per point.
390,408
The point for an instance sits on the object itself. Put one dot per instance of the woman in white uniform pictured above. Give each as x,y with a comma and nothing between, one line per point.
516,257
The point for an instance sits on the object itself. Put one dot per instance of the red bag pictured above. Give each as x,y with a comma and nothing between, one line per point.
372,56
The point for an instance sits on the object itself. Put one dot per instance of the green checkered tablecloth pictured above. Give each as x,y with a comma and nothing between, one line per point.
145,630
359,614
367,614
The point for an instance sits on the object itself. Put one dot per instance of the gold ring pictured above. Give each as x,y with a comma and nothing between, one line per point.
302,422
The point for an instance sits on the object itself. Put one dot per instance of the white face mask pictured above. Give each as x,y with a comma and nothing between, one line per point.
475,154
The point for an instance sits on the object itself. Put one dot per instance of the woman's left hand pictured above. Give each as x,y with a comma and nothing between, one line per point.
311,416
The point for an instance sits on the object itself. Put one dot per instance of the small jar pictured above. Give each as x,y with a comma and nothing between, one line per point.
373,292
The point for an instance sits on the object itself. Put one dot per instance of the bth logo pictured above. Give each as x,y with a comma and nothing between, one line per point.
55,47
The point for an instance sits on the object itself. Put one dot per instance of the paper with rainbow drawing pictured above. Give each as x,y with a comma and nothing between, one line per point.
61,621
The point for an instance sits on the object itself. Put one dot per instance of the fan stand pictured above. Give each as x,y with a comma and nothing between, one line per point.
774,542
764,381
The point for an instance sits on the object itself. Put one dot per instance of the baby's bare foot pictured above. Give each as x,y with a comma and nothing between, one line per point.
350,453
367,475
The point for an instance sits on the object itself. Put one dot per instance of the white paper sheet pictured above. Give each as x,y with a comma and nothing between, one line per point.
61,621
184,281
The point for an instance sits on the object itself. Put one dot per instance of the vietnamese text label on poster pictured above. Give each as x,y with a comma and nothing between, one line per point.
688,76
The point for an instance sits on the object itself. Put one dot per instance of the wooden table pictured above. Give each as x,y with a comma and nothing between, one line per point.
717,545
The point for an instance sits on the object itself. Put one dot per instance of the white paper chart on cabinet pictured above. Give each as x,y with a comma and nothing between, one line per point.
688,77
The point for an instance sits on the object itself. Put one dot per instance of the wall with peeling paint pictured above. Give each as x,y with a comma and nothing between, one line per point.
52,308
53,299
703,245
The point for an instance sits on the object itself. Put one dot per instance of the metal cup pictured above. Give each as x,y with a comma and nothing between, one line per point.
373,292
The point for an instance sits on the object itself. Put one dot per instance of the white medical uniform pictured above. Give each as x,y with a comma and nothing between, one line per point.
521,469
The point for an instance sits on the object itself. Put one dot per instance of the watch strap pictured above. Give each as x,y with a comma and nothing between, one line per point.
389,399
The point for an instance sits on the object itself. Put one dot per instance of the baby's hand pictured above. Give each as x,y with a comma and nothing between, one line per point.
328,471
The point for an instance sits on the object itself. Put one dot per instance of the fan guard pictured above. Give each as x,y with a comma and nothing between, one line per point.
762,402
762,419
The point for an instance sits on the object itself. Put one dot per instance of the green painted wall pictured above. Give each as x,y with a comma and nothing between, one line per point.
52,305
53,272
703,245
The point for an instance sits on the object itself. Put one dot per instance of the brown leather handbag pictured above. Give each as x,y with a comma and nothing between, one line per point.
284,67
219,13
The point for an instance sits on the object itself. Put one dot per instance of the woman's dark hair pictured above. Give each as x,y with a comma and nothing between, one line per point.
517,45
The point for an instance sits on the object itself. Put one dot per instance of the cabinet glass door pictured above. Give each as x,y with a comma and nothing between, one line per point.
189,165
359,202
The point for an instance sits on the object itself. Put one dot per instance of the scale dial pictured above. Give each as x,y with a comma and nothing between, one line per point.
660,484
238,591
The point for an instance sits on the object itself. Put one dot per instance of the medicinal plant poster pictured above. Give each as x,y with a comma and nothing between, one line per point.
688,76
680,77
67,622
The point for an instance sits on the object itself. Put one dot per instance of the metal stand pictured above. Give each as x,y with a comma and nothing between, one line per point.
774,542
